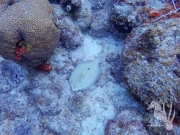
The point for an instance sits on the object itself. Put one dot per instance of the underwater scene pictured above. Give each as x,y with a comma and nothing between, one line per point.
89,67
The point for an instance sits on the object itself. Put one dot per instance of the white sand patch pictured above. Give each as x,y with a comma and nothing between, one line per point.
1,58
101,104
93,48
111,45
102,109
99,98
89,50
102,98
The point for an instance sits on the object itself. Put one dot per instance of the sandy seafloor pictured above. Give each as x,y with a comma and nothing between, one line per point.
106,96
100,102
34,102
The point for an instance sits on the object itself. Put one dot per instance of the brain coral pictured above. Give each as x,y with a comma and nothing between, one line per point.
4,4
31,22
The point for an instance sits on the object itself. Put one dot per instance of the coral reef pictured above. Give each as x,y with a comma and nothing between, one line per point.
15,104
71,5
117,67
71,36
5,3
12,76
151,61
128,121
129,14
155,126
98,4
54,1
100,25
31,22
83,16
34,102
126,15
119,16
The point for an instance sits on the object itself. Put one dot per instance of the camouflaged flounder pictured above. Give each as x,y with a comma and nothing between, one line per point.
33,22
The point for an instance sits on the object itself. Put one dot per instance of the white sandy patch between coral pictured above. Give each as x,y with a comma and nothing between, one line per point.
104,95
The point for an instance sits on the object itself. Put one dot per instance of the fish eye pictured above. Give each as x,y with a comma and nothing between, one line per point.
68,7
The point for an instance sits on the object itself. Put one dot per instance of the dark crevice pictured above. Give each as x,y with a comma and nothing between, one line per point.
177,73
178,57
54,1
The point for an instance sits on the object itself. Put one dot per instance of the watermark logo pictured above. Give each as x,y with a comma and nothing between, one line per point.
160,114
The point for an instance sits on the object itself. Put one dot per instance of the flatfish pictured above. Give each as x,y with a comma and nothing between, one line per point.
85,74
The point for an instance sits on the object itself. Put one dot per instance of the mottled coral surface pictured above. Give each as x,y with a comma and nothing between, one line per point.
32,22
151,60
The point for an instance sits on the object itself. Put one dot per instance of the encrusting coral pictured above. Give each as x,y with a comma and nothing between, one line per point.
4,4
28,32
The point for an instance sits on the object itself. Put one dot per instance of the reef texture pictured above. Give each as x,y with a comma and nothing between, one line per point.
14,105
12,76
151,59
100,25
129,14
71,36
98,4
117,67
32,25
71,5
82,16
42,103
127,122
156,127
5,3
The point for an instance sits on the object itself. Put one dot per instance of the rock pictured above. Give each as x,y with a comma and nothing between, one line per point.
17,114
34,23
5,3
54,1
153,123
151,60
82,16
98,4
12,77
71,36
71,5
116,66
128,14
128,121
23,128
100,25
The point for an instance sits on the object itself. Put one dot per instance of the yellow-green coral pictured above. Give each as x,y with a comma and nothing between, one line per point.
30,21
